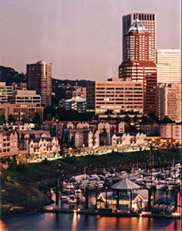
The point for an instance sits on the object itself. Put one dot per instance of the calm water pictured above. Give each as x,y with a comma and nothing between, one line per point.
78,222
87,222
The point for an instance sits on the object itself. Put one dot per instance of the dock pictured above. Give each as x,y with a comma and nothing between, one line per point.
174,215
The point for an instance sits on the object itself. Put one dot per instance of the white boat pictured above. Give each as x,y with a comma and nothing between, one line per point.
92,184
68,187
71,199
160,185
149,184
100,184
64,198
172,186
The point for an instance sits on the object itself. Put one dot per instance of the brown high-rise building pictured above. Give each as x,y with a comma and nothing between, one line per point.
137,62
39,79
148,21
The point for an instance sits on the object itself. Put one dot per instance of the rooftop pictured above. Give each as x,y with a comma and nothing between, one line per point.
137,26
76,99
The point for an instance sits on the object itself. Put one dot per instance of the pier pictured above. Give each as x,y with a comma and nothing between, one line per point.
174,215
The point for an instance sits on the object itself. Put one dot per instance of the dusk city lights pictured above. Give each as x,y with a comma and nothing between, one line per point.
90,115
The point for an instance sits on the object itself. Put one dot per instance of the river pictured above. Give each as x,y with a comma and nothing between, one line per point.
76,222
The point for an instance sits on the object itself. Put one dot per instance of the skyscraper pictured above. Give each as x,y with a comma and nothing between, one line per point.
137,43
168,101
39,79
148,21
168,65
137,62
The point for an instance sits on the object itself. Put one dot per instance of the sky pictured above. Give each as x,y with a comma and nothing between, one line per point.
81,38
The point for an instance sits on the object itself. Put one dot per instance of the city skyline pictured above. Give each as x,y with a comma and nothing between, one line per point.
82,39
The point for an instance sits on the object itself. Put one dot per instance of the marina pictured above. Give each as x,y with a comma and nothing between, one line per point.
138,193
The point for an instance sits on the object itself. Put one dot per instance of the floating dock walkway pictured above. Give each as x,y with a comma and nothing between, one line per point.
174,215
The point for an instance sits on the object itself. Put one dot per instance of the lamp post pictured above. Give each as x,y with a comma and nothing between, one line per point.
62,175
149,199
131,201
96,195
58,186
57,195
106,196
86,198
117,199
106,187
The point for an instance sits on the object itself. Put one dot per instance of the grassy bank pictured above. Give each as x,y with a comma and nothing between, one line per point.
28,185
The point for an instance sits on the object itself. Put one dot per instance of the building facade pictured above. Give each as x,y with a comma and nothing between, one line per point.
148,21
43,147
127,139
171,131
8,143
116,96
40,79
27,97
168,65
5,92
168,101
20,111
137,44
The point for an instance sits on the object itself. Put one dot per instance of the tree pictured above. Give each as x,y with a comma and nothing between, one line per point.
48,117
56,117
153,116
2,119
13,165
37,119
127,119
11,119
49,110
32,136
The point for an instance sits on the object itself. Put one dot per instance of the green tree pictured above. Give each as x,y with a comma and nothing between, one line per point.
49,110
37,119
11,119
2,119
56,117
48,117
13,165
127,119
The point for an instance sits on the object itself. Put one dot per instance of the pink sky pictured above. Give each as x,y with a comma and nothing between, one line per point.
82,38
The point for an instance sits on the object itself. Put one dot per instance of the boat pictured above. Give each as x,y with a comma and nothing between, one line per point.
71,199
161,185
68,188
64,198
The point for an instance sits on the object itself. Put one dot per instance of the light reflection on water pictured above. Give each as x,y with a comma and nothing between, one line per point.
87,222
2,226
77,222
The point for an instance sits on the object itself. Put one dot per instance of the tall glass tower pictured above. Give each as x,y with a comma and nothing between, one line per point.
39,79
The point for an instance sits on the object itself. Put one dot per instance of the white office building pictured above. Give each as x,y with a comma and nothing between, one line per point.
168,65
